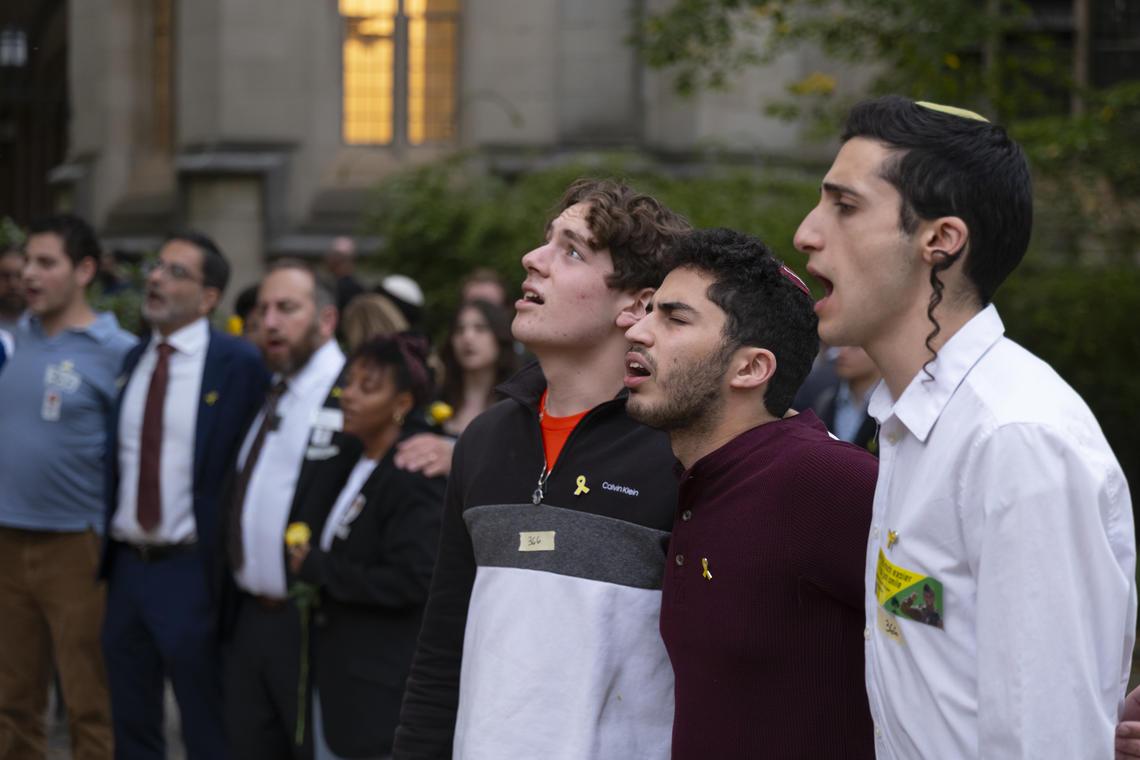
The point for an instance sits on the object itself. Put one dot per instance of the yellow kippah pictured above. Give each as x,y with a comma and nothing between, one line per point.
952,110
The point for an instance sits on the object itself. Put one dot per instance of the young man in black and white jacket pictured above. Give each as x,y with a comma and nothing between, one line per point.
540,637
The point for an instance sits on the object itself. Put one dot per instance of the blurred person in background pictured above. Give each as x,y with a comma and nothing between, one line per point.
296,428
407,295
368,316
485,284
375,530
842,405
12,303
55,396
189,394
477,356
340,260
245,309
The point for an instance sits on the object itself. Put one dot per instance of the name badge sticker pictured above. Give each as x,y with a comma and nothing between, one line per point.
890,626
330,419
53,403
62,377
536,540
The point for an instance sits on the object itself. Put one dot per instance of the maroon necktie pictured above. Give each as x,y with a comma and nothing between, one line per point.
150,443
268,422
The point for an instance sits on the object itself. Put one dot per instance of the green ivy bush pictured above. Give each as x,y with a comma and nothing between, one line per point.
1082,322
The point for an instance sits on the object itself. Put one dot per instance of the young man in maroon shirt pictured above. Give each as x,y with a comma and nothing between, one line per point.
762,608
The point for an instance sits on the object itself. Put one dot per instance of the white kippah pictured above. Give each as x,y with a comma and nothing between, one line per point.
404,288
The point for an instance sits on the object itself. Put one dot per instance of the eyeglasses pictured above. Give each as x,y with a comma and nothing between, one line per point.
172,271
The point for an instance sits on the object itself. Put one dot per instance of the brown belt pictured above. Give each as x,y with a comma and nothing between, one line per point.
268,602
159,552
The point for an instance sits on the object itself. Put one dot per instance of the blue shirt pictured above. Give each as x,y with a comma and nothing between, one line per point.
55,397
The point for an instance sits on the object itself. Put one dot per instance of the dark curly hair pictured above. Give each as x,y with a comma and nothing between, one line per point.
764,302
636,228
406,354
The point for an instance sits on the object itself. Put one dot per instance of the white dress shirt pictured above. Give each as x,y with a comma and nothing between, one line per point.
179,427
996,482
303,431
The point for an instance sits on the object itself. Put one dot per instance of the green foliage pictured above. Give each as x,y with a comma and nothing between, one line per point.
125,304
10,232
990,56
1082,323
443,220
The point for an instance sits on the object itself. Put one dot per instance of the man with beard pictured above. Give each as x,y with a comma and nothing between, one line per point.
761,608
189,393
298,318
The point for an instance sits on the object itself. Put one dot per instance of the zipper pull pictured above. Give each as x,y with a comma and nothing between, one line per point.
536,497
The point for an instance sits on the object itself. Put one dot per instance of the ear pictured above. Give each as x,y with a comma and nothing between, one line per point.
210,298
632,313
85,270
942,236
752,367
327,319
405,403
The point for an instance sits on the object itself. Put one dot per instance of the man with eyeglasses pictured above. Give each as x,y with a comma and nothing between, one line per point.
188,394
55,392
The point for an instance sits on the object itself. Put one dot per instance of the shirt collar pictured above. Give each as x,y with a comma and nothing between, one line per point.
920,405
102,329
325,361
189,339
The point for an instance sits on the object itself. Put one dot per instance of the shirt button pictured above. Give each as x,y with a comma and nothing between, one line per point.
680,559
878,732
892,438
875,531
867,633
687,515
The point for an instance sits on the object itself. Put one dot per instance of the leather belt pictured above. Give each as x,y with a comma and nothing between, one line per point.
267,602
160,552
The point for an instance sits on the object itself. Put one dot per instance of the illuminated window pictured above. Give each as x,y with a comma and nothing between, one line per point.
399,70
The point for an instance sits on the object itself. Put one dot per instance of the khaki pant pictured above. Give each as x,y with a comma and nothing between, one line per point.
50,604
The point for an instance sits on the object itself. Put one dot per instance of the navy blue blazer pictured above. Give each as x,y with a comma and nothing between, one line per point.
234,381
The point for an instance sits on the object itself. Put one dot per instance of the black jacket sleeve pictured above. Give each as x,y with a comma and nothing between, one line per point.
400,552
427,718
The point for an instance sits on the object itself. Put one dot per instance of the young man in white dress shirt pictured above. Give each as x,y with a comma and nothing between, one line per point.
997,490
298,320
188,393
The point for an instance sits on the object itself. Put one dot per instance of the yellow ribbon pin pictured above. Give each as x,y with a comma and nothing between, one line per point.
336,391
705,568
211,398
581,489
892,538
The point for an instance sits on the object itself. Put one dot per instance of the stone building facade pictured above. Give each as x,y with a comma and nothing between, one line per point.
265,122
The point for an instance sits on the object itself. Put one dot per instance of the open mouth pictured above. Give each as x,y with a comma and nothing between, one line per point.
531,297
637,369
828,286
